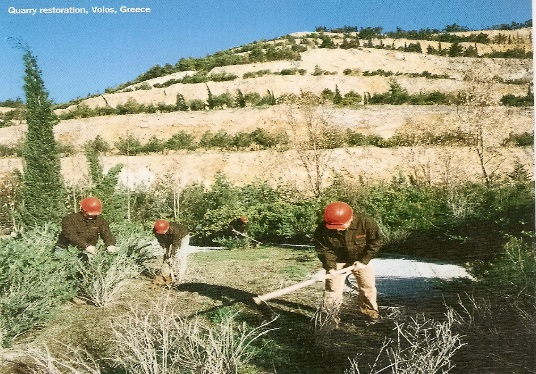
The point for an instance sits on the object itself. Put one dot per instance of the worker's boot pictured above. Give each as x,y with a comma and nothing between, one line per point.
168,280
161,281
371,314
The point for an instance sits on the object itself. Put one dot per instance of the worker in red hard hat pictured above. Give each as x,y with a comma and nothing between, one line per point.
238,228
239,225
84,228
346,238
172,237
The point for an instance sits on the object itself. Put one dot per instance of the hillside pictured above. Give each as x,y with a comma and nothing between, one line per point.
364,70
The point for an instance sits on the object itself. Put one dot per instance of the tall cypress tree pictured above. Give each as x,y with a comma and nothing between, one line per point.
43,188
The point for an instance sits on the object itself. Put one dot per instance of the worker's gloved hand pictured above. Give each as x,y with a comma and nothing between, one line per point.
91,249
111,249
359,265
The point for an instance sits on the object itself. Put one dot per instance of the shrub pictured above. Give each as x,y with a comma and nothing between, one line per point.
220,140
263,139
130,107
268,99
98,145
512,274
181,140
242,140
129,146
222,77
180,103
518,101
253,98
525,139
71,360
351,98
157,341
154,145
423,346
104,276
33,284
197,105
10,151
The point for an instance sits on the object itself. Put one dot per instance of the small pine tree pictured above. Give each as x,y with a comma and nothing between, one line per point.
43,188
240,99
337,97
104,186
180,103
210,100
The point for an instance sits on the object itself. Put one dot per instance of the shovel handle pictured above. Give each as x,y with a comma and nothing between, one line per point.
283,291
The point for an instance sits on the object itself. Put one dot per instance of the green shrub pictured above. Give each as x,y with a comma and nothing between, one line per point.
129,146
197,104
351,98
98,145
242,140
154,145
525,139
518,101
263,139
11,151
281,221
253,98
181,140
222,77
354,139
104,276
512,274
131,106
33,283
220,140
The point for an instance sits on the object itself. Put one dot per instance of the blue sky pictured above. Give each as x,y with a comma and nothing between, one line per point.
81,54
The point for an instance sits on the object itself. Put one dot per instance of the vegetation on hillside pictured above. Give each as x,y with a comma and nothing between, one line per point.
289,47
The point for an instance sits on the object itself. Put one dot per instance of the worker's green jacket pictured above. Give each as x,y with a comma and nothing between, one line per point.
171,240
78,231
361,242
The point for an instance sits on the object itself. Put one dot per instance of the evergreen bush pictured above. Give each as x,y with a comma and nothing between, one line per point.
181,140
43,189
33,282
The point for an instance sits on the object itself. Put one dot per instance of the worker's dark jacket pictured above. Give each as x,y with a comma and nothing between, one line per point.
359,242
78,231
171,240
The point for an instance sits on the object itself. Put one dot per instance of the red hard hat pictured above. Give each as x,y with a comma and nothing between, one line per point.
161,226
337,215
91,205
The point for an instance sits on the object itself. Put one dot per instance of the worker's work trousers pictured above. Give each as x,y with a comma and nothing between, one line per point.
174,266
366,283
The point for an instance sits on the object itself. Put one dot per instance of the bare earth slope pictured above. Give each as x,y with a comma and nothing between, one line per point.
370,163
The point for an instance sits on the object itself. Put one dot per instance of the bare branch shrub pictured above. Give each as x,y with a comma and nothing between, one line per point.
157,341
480,117
312,137
324,321
69,361
104,276
422,346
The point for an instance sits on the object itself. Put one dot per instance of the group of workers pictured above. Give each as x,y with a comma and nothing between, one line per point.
344,239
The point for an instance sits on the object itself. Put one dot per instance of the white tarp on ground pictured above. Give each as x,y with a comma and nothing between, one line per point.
401,276
411,276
